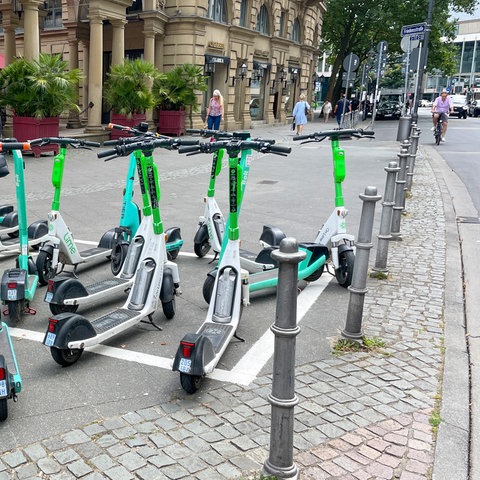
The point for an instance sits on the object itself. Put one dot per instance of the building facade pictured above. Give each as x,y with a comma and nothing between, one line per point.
261,54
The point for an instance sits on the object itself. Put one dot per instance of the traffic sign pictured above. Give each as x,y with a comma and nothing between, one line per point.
382,46
408,30
408,44
351,62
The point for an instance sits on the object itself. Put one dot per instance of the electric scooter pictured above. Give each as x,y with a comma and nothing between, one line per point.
156,277
130,217
334,231
10,379
19,284
211,225
66,294
262,269
199,353
9,241
59,247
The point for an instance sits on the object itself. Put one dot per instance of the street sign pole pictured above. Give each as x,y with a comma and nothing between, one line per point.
381,49
422,62
407,69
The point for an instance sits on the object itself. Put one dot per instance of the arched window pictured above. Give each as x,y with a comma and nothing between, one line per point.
244,13
262,21
217,10
296,31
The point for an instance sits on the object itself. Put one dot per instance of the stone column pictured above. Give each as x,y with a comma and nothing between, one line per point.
73,115
149,56
31,30
10,47
118,41
95,74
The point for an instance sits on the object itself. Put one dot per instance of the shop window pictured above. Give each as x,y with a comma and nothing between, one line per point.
53,19
217,10
296,31
263,25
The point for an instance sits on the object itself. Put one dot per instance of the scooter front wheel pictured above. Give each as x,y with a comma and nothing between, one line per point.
119,254
208,288
201,249
57,308
3,409
66,356
169,309
190,383
45,266
344,272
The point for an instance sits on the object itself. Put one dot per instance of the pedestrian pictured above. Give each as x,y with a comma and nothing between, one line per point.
342,107
326,110
300,112
215,111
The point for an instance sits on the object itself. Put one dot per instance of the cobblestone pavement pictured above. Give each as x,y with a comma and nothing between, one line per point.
361,416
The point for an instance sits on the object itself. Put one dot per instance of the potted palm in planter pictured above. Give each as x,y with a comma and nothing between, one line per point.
127,91
175,91
38,91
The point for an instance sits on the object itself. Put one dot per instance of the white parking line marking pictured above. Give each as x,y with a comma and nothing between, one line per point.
243,373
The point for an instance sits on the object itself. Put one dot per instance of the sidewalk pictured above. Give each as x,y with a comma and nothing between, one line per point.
360,416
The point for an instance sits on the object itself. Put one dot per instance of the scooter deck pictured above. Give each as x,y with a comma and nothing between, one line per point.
6,351
99,287
248,262
95,252
217,333
112,320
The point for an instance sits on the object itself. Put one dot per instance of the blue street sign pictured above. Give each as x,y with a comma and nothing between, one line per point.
413,29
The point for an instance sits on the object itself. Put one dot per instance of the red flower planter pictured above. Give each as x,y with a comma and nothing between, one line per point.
28,128
171,122
118,119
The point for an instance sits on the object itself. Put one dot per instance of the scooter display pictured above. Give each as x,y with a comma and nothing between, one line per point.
156,277
333,233
59,247
10,379
199,353
19,284
9,235
67,294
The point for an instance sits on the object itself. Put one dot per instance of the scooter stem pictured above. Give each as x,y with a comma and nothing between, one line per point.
235,179
216,168
339,171
57,176
147,207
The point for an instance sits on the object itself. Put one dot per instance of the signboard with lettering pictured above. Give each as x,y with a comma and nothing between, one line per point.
409,30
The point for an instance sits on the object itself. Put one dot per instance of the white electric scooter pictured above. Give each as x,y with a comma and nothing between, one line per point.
156,278
199,353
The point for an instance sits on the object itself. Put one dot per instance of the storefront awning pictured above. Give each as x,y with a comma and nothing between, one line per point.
217,59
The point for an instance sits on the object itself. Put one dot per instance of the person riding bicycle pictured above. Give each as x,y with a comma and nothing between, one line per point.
442,106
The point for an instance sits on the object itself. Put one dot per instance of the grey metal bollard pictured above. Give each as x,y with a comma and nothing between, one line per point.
384,234
400,191
283,398
404,126
414,137
353,325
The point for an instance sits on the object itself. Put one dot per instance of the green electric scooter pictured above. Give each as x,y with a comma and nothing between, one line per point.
19,284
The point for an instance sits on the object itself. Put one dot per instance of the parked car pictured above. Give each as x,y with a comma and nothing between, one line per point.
474,109
425,103
388,109
460,106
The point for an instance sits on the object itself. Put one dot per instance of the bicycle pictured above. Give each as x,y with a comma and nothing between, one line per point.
438,131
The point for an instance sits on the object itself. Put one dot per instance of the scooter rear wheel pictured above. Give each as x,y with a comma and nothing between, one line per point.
190,383
201,249
316,274
173,254
3,409
57,308
15,311
66,356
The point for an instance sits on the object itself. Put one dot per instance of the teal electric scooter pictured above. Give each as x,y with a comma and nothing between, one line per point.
19,284
10,379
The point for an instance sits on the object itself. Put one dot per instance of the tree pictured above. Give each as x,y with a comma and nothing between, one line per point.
351,26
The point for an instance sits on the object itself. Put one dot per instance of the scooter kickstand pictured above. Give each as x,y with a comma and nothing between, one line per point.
240,339
214,258
151,322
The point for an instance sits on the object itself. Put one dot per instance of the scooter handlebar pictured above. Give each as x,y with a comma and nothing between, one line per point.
190,149
74,142
9,146
346,133
279,149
